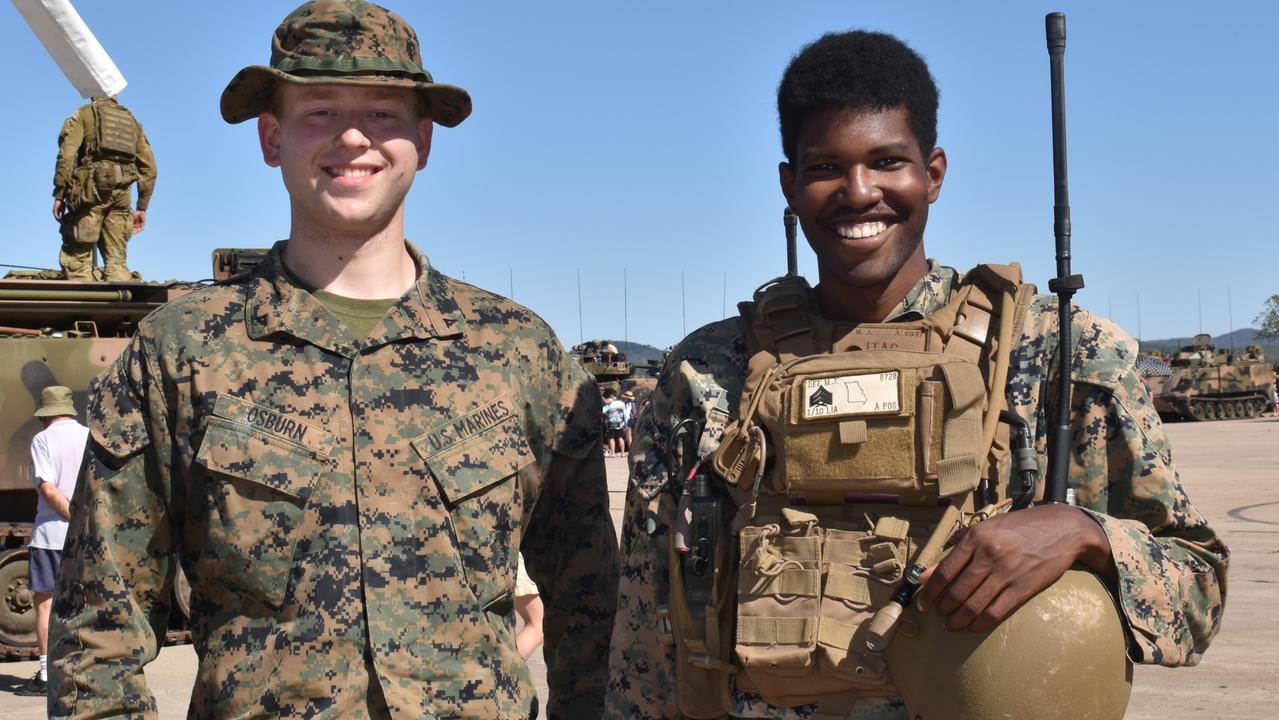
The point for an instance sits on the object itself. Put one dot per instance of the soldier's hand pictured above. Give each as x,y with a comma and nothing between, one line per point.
139,221
57,210
1004,561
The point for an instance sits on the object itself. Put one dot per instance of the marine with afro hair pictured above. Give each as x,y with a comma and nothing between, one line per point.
786,630
859,70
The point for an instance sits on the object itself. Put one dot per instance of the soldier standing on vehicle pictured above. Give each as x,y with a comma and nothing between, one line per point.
56,453
845,421
344,449
102,152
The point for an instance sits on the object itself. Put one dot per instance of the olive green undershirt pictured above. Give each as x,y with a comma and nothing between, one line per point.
359,316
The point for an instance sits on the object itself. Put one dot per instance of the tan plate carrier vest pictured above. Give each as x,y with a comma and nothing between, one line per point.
108,160
115,135
849,444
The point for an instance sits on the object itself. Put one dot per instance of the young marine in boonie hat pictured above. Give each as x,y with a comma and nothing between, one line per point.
55,400
343,42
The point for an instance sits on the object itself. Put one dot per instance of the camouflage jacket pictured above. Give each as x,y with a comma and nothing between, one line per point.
1172,566
73,154
348,512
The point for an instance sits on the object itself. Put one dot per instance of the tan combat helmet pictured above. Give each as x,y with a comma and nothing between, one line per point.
1061,656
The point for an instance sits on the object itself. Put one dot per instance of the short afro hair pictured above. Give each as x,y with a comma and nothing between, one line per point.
860,70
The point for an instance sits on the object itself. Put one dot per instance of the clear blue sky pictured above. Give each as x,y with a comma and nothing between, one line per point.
641,137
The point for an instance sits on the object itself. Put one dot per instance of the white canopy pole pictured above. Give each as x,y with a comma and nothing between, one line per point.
72,46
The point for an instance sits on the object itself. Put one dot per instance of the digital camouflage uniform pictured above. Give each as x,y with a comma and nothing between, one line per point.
348,511
99,213
1171,565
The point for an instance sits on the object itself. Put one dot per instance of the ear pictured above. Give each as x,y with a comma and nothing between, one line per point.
425,129
786,176
269,138
936,170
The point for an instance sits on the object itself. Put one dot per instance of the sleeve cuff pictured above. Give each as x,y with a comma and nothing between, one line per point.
1148,584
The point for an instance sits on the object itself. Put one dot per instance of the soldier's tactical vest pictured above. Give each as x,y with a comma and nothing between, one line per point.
848,444
115,135
107,161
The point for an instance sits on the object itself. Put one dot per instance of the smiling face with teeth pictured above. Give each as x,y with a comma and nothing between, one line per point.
861,186
347,153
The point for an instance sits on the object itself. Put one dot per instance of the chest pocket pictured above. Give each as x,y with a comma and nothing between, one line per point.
474,472
256,495
470,455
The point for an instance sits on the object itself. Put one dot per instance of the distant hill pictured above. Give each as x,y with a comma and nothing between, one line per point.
639,353
1241,339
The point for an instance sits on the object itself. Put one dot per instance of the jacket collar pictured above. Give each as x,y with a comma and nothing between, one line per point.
277,304
932,292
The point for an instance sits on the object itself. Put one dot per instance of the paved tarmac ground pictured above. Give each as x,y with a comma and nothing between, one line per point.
1230,469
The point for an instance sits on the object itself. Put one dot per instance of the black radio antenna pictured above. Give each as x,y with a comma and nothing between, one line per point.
792,262
1065,284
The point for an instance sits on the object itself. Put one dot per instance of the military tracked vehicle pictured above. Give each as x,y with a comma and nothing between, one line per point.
654,367
602,359
1204,383
61,332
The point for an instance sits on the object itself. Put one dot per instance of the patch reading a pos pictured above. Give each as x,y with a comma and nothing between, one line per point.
869,394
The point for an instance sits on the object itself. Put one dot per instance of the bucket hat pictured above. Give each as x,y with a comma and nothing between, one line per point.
55,400
343,42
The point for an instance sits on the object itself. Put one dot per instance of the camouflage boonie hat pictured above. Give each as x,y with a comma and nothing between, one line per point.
343,42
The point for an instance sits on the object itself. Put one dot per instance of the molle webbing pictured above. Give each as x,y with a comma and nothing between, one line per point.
833,420
116,132
861,422
783,318
977,328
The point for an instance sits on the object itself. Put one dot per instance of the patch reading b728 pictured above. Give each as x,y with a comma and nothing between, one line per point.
868,394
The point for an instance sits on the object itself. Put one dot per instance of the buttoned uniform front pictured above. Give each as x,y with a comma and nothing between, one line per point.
349,511
1171,564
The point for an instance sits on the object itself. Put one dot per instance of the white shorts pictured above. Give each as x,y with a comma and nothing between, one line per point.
524,585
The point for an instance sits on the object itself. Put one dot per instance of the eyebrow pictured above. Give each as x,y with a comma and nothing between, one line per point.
814,154
892,149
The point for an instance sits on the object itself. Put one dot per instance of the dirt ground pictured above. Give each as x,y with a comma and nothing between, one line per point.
1229,468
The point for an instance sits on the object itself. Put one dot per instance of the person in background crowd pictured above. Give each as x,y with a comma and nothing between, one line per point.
56,453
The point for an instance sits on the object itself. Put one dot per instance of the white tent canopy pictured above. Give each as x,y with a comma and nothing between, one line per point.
72,46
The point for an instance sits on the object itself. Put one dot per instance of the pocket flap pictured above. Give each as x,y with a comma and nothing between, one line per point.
238,450
464,464
846,586
801,631
790,582
288,429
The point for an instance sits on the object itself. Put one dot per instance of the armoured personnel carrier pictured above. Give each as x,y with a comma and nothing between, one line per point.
60,332
654,368
1204,383
602,359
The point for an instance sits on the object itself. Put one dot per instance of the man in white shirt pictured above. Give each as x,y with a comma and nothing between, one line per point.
614,423
56,453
